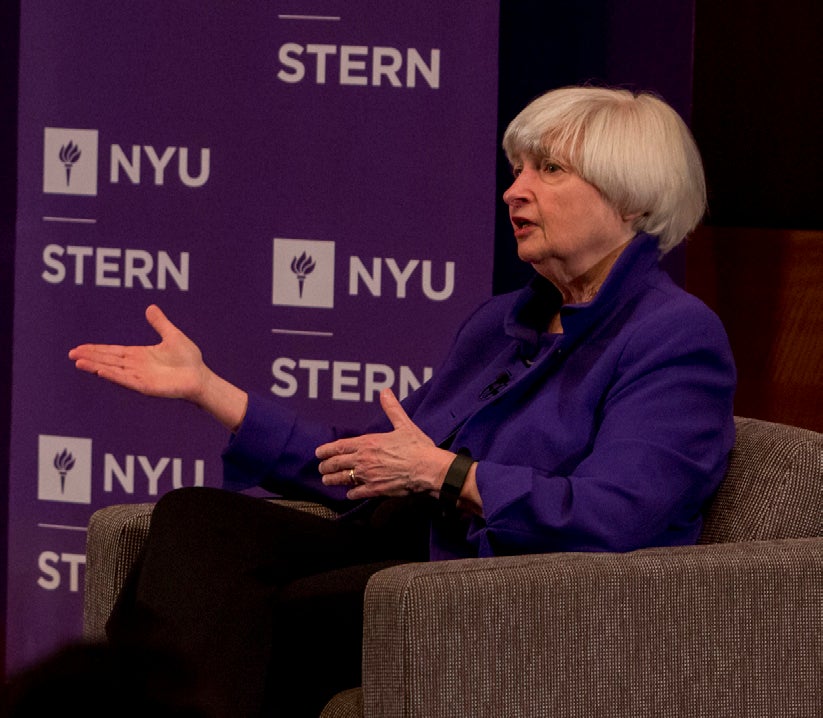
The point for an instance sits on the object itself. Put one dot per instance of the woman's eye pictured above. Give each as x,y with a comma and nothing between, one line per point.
549,167
516,170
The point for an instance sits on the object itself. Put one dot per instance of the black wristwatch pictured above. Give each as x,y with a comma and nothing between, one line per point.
455,478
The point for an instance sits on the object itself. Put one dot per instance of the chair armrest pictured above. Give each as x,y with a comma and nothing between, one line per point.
727,629
115,537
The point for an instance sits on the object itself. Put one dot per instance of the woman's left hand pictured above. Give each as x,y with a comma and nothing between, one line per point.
395,463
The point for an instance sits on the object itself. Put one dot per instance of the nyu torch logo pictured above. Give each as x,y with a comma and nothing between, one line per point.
64,469
302,267
63,462
69,154
70,161
303,273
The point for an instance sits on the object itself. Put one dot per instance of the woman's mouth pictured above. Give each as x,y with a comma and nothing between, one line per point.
521,225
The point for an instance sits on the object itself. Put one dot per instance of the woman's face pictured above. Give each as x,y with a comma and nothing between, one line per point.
562,224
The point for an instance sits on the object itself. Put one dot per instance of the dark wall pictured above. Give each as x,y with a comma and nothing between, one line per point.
758,111
758,260
9,14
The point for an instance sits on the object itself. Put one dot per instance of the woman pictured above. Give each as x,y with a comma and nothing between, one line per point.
591,410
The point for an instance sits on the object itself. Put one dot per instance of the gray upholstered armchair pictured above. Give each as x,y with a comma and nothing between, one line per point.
731,627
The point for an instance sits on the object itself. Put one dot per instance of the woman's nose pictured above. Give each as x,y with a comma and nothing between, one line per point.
515,194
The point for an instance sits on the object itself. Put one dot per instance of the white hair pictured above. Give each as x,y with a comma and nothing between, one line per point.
634,148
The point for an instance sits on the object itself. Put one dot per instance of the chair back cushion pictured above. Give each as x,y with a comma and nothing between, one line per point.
773,488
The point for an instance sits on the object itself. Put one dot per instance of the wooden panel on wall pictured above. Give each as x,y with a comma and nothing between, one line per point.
767,287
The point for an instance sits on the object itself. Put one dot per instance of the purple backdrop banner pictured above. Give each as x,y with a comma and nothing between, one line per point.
306,188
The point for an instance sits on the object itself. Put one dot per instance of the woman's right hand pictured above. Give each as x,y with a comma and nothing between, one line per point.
174,368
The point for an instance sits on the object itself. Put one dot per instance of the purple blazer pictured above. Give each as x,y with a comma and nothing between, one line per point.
609,437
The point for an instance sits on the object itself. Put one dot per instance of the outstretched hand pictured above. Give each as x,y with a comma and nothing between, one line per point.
399,462
173,368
